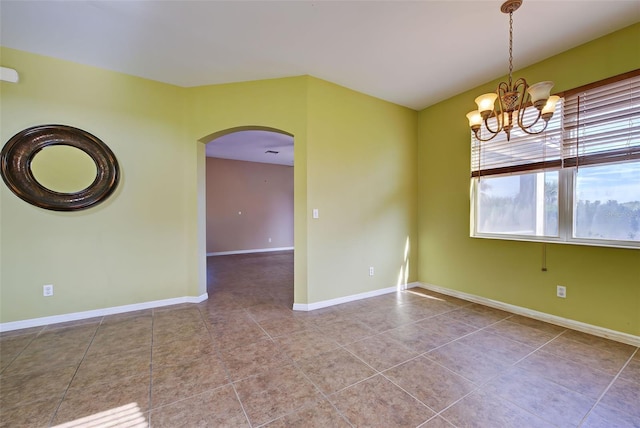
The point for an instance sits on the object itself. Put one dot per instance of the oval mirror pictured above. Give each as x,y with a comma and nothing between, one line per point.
59,167
63,169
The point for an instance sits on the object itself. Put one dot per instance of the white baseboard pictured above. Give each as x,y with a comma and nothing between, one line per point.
259,250
351,298
595,330
75,316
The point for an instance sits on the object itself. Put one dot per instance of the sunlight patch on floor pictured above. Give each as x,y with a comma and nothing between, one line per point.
426,296
127,416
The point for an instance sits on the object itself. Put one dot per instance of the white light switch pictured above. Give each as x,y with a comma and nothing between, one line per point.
315,213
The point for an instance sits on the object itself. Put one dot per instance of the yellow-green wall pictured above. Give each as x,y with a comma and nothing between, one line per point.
603,284
131,248
361,176
147,242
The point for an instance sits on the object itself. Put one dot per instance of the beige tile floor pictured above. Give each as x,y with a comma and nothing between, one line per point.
244,358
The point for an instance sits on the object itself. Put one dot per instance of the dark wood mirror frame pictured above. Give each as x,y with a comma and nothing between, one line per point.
19,151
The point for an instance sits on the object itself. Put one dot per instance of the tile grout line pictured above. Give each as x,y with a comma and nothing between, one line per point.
319,390
377,372
381,373
66,390
539,348
615,378
476,386
479,386
226,369
417,356
411,395
463,336
35,336
325,396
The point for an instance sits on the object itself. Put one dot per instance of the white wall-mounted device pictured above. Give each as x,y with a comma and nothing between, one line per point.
8,75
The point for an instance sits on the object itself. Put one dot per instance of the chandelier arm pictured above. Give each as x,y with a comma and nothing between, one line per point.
526,128
493,135
488,128
521,124
500,102
524,104
521,85
503,88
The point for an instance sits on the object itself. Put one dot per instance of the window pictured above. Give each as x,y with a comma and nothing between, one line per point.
520,204
578,182
607,202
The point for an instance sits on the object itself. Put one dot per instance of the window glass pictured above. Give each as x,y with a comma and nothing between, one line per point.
607,202
524,204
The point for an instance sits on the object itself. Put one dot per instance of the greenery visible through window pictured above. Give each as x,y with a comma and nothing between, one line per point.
522,204
607,202
578,182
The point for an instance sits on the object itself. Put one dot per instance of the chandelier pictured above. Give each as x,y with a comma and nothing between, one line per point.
513,99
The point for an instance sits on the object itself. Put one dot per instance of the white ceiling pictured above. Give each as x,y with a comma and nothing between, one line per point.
252,146
413,53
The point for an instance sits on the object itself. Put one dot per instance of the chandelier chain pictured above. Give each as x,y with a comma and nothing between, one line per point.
510,48
512,101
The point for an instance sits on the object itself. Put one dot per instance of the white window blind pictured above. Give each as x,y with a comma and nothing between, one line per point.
523,152
602,124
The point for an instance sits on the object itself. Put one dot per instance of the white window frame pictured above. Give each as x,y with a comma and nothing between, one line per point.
514,237
566,180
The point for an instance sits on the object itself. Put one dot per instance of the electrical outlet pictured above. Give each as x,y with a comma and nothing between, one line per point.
269,239
370,270
47,290
561,291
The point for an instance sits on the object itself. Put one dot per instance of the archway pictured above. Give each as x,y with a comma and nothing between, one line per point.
249,197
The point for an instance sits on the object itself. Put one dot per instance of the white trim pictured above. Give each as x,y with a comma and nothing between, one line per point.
37,322
8,75
351,298
618,336
259,250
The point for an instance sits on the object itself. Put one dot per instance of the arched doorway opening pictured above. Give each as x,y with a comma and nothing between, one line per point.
249,215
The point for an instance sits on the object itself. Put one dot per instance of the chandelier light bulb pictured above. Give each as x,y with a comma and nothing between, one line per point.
486,103
540,93
475,119
550,107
